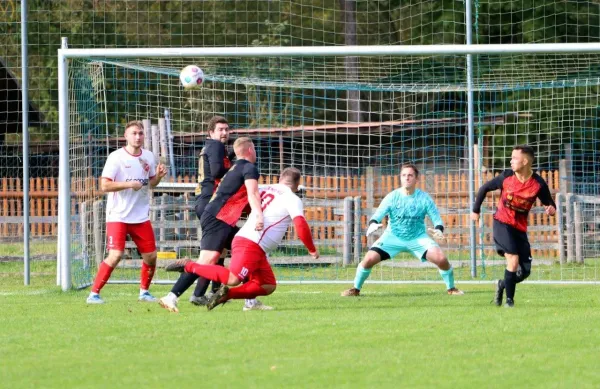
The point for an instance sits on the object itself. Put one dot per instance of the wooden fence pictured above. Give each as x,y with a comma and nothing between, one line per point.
450,192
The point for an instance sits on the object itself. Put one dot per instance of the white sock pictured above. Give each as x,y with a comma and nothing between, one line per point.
172,296
142,291
250,302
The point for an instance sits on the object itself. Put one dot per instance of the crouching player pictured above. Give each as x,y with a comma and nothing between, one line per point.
249,264
406,207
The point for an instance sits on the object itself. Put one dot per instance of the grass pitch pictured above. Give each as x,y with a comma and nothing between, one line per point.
394,336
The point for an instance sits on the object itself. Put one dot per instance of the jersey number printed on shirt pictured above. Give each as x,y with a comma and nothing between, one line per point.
266,199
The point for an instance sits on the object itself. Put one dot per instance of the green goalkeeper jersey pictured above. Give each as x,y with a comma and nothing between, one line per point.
407,213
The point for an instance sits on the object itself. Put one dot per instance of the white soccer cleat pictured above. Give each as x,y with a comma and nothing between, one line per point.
94,298
257,306
146,297
169,303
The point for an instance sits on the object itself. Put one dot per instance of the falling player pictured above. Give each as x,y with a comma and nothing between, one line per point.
249,264
406,207
519,189
125,179
238,188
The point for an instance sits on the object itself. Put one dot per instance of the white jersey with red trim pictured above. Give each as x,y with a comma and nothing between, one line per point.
280,206
127,205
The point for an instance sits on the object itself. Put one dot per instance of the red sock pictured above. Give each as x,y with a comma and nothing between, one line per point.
102,277
210,272
146,275
249,290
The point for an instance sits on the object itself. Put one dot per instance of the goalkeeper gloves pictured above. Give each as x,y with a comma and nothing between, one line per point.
374,226
437,234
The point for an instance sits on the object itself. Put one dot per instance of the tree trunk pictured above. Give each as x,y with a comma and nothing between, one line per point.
350,38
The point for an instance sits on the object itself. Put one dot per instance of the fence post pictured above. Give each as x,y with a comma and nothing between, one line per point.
98,241
83,220
348,219
578,223
357,229
570,229
560,203
147,134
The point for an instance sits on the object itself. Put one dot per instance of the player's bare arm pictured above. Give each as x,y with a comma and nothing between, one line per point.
254,201
108,185
161,172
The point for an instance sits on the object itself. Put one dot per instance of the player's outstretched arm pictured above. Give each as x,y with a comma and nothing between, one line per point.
546,198
305,236
381,212
493,184
436,219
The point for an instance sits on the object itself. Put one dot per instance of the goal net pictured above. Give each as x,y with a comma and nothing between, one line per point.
349,123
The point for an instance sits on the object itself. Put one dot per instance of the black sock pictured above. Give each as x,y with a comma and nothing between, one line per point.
183,283
510,283
216,285
201,287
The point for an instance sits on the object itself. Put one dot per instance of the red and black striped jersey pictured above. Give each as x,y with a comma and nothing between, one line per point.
231,197
516,197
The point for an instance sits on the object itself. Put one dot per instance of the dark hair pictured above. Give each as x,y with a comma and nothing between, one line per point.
411,166
527,150
212,123
292,173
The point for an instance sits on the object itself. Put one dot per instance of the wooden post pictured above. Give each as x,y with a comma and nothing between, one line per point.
560,227
357,229
348,218
155,141
577,220
83,221
164,150
147,134
281,160
570,229
98,217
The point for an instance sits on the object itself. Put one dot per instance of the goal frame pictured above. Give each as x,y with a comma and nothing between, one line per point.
65,53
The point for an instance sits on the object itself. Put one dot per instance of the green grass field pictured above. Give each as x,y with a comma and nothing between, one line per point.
394,336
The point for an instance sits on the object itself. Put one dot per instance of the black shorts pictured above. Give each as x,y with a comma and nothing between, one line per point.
509,240
216,234
201,203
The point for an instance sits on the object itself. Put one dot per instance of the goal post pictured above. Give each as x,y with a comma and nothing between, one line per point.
294,101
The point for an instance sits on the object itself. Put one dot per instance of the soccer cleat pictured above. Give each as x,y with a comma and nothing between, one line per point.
178,265
146,297
199,301
257,306
219,297
499,293
509,303
455,292
168,303
351,292
94,298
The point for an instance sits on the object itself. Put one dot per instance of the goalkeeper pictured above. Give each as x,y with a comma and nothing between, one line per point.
406,208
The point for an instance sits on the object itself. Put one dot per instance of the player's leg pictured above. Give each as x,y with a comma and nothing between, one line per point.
507,246
264,273
143,236
219,237
384,248
426,249
525,261
115,239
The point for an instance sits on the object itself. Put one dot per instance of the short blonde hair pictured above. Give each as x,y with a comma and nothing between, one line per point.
242,145
136,123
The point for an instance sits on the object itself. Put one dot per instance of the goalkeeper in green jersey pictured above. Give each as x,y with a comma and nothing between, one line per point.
406,208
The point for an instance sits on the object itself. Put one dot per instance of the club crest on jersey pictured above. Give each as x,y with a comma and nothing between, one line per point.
145,165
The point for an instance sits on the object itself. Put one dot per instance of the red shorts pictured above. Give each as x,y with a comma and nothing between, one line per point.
249,262
141,233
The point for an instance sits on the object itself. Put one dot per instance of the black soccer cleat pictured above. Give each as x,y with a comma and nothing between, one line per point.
178,265
509,303
499,293
218,298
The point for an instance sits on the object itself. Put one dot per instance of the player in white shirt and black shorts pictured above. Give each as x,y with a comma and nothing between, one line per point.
280,206
127,174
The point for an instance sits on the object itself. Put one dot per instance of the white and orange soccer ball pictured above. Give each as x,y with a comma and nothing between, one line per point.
191,77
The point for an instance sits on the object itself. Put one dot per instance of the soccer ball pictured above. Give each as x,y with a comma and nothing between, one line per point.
191,77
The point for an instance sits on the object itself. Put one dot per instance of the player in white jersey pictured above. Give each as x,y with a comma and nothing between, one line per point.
127,174
249,264
406,208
